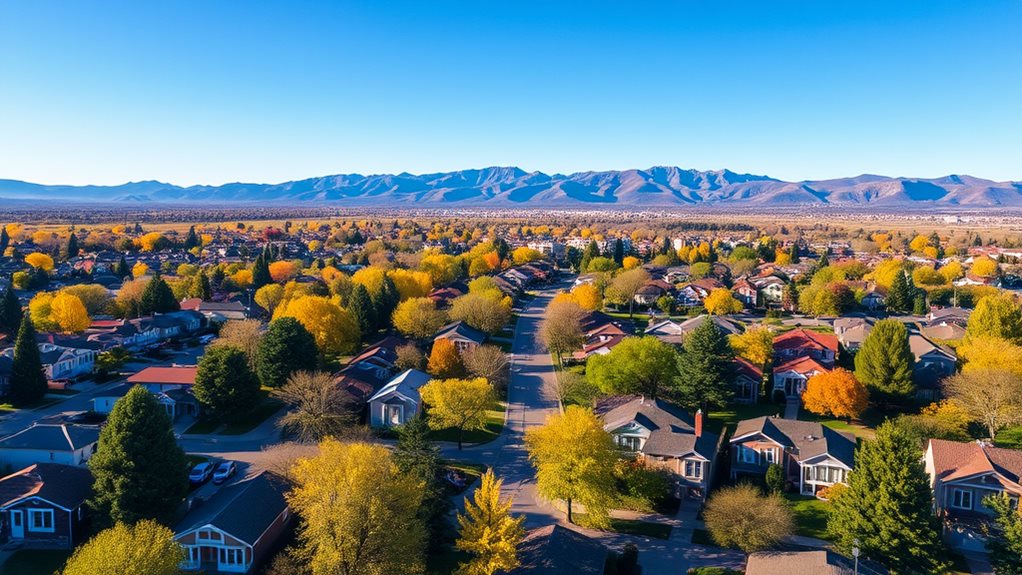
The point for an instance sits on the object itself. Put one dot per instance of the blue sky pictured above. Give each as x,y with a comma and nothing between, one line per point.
210,92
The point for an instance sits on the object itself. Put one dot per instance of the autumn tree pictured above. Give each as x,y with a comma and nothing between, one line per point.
705,367
636,365
285,348
460,404
318,408
835,393
884,361
94,297
157,297
755,344
418,318
488,362
243,334
985,267
409,356
69,313
269,296
574,459
444,359
334,329
561,330
488,531
721,302
359,513
282,271
145,548
27,382
441,268
587,297
40,261
996,316
624,286
992,396
411,283
740,516
1005,542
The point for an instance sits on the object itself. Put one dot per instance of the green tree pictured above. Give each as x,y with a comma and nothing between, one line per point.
385,302
489,531
591,252
1005,542
157,297
224,385
643,365
145,548
996,316
574,459
72,245
10,311
460,404
361,307
192,240
417,456
28,380
286,347
5,239
122,270
201,287
775,478
705,367
887,508
139,471
899,296
261,272
884,361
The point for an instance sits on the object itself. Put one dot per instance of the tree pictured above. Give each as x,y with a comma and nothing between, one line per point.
991,395
417,456
5,239
835,393
442,268
1005,542
10,310
139,471
561,330
489,531
224,385
755,344
418,317
282,271
243,334
95,297
334,329
721,302
705,367
409,356
483,312
69,313
460,404
157,297
899,295
269,296
192,239
887,509
145,548
985,267
318,408
27,380
359,513
261,272
574,459
741,517
884,361
361,307
643,365
775,478
411,283
619,251
72,245
201,287
444,359
488,362
996,316
286,347
40,261
385,301
622,289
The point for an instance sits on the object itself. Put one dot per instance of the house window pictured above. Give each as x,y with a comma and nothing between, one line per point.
961,499
748,455
40,520
232,556
693,469
768,456
629,442
209,535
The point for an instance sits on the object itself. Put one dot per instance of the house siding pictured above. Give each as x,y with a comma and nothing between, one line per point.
65,526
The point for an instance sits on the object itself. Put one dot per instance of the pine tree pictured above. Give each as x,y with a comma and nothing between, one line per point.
157,297
884,361
122,270
192,240
72,245
28,380
10,311
705,368
899,296
286,347
385,302
261,272
139,471
619,251
201,287
887,509
919,304
793,254
417,456
5,240
489,531
361,306
225,387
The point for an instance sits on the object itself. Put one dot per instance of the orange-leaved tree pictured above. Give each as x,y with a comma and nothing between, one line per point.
837,393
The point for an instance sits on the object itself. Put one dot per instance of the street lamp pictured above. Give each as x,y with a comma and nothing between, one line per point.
855,554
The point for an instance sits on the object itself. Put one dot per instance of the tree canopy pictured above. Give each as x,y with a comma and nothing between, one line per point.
884,361
145,548
636,365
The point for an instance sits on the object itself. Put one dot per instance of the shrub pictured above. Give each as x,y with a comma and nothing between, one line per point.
741,517
641,488
833,492
775,478
713,571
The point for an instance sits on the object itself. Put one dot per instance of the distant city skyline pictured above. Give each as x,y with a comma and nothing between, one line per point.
209,93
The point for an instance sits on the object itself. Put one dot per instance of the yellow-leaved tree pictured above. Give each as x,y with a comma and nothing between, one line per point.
459,404
444,359
269,296
836,393
574,459
721,302
418,317
489,531
40,260
985,267
143,548
39,309
587,296
334,329
989,352
69,313
411,283
359,513
139,269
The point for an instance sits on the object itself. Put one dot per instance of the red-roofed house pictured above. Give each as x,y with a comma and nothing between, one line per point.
962,474
747,381
791,377
172,386
802,342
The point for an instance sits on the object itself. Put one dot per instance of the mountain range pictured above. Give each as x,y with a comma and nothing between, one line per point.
513,187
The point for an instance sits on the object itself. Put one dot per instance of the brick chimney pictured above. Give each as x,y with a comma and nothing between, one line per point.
699,423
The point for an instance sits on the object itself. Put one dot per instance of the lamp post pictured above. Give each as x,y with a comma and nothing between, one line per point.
855,554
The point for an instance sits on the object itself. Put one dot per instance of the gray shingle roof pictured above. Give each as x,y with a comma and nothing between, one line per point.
556,550
808,437
244,509
65,485
63,437
672,431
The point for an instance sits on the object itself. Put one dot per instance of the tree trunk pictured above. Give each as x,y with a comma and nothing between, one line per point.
461,433
570,520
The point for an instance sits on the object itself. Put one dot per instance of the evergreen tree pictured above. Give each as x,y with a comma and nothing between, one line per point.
385,302
5,239
286,347
705,367
899,296
10,311
793,254
224,385
417,456
1005,542
821,263
503,248
919,304
887,509
884,361
261,272
361,306
192,240
201,287
122,270
218,277
592,251
28,380
139,471
619,251
157,297
72,245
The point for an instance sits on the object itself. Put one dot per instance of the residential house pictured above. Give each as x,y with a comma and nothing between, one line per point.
791,377
745,292
398,400
808,562
662,435
933,363
852,331
68,444
801,342
675,332
61,362
874,299
236,527
748,379
948,315
813,456
770,288
694,293
103,402
172,386
648,294
962,474
556,550
43,505
217,312
462,335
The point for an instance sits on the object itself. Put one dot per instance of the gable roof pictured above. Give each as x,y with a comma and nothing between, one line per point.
801,337
814,562
407,383
748,369
671,430
463,330
166,375
51,437
555,550
67,486
960,459
803,365
808,437
245,509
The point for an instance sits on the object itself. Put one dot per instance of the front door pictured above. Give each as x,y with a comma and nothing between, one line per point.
17,524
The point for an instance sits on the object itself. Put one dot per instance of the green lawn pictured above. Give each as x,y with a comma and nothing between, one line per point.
1009,437
494,425
34,562
261,413
862,429
721,418
633,527
810,516
641,320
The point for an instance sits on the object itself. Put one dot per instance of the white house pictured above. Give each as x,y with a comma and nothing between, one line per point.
48,443
398,400
61,362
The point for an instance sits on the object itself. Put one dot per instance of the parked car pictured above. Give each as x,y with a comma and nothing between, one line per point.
206,338
200,473
224,471
58,384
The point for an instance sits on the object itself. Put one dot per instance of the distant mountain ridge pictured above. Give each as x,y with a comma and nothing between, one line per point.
512,187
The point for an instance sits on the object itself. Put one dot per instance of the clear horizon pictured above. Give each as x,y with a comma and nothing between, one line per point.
197,93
